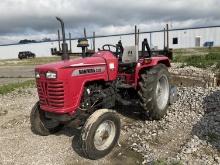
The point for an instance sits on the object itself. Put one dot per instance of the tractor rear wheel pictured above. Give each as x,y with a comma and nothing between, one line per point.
41,125
100,133
155,91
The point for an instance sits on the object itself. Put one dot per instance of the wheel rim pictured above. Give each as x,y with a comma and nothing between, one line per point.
162,92
104,135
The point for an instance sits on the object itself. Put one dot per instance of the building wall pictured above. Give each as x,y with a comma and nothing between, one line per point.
186,39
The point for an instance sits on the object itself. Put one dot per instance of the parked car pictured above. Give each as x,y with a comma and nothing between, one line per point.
26,54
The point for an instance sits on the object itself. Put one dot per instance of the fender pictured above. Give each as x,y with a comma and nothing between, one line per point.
142,65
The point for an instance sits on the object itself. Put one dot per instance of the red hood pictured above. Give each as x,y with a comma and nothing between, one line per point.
88,61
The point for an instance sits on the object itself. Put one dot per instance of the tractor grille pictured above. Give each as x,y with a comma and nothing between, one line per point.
51,94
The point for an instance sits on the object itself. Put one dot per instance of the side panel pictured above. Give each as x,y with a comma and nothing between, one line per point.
111,63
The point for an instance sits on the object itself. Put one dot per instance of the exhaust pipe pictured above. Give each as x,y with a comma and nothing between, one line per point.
65,55
59,40
146,45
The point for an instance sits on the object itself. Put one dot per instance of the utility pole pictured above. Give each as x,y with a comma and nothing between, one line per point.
70,43
93,41
167,36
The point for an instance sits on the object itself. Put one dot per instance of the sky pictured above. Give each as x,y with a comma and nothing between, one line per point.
35,19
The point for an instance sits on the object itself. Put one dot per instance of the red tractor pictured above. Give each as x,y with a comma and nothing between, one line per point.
81,91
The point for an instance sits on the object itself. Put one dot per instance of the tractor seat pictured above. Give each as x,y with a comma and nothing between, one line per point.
130,55
129,59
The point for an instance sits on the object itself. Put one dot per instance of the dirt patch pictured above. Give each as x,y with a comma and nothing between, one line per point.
188,81
15,74
15,122
20,146
3,112
126,155
16,71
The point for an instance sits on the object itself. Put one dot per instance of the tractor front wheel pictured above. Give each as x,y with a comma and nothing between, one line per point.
41,125
155,91
100,133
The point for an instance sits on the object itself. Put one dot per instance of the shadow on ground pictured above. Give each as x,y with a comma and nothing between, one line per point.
132,112
120,153
208,128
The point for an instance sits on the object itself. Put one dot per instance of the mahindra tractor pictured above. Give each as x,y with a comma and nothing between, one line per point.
85,92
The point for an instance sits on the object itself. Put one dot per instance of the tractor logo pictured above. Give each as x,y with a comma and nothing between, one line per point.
86,71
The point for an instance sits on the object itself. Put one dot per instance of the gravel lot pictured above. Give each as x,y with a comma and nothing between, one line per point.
18,145
188,134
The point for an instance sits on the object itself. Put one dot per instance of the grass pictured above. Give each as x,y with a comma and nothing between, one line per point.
164,162
213,137
195,51
4,89
35,61
208,59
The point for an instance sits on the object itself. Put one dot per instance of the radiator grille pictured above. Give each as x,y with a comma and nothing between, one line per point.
51,94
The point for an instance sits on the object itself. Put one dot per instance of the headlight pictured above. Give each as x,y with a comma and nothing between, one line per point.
51,75
37,75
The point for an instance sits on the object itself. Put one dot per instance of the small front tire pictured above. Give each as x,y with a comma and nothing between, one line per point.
100,133
40,125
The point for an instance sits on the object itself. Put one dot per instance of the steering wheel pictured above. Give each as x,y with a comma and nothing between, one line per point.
108,47
118,49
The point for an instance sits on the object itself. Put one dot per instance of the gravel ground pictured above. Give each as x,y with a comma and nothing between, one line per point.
192,76
189,134
18,145
177,68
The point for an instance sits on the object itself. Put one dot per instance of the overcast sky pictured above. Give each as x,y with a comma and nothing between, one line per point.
35,19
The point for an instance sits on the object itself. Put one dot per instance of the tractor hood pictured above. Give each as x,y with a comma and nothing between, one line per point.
78,62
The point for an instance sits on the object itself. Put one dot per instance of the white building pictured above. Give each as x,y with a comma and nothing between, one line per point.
178,38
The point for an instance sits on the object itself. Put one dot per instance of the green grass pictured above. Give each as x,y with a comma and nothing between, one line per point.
213,137
200,61
164,162
35,61
4,89
195,51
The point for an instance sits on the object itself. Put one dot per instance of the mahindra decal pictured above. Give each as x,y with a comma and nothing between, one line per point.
86,71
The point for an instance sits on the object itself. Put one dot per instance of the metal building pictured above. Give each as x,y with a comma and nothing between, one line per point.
178,38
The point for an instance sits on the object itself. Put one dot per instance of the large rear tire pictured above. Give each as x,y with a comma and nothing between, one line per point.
40,125
100,133
155,91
